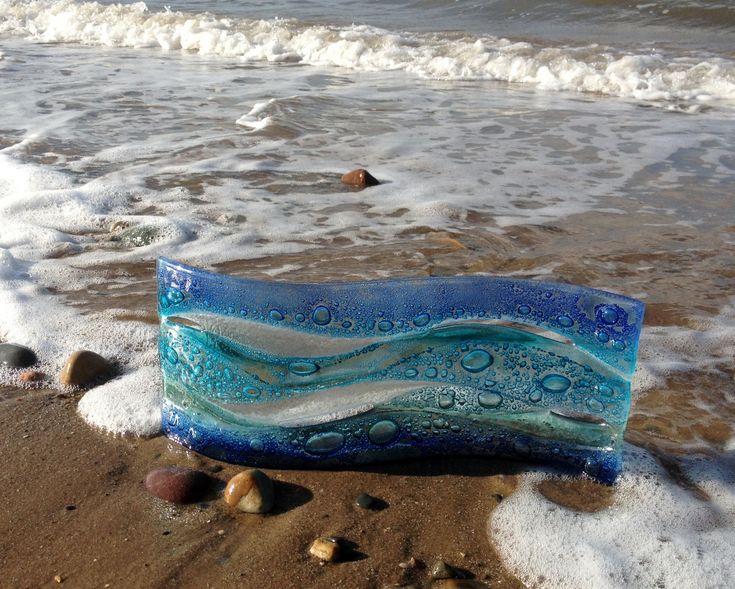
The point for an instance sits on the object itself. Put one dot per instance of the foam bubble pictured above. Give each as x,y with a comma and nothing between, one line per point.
656,534
130,403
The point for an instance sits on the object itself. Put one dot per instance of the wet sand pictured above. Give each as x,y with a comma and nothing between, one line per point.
76,508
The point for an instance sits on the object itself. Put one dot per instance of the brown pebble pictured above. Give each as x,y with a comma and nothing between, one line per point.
360,178
250,491
325,549
32,376
411,563
84,367
177,484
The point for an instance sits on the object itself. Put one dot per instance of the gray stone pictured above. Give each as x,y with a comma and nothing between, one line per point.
15,356
365,501
441,570
139,236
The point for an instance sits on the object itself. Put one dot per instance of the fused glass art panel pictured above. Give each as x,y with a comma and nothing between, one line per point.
300,374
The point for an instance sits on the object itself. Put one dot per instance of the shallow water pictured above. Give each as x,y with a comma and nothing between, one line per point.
583,141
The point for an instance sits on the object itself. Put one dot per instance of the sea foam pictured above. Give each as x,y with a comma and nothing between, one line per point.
656,534
650,76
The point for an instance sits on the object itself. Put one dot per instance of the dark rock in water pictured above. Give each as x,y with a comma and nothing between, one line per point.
15,356
360,178
441,570
177,484
84,367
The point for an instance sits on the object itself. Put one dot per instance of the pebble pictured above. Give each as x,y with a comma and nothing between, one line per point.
441,570
325,549
177,484
117,226
140,236
32,376
84,367
360,178
365,501
411,563
16,356
250,491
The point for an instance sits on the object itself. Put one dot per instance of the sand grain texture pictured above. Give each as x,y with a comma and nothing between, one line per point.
75,506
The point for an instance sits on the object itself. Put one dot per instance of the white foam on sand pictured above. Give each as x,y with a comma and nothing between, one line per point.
128,404
656,534
707,344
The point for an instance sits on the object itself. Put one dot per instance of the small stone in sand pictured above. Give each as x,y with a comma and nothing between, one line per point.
360,178
441,570
58,579
31,376
84,367
365,501
250,491
117,226
411,563
177,484
325,549
16,356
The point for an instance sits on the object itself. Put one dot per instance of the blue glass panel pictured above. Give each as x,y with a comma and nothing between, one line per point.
301,374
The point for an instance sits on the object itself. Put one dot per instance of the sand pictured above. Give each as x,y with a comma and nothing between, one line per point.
76,510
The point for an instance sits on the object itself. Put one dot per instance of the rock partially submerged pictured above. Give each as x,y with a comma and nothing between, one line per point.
360,178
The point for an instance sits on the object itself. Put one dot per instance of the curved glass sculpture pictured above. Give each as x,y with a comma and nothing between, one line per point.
287,374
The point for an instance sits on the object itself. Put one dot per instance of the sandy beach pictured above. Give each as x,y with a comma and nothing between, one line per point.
577,142
77,508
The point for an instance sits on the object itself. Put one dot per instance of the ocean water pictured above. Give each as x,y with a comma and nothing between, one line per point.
584,141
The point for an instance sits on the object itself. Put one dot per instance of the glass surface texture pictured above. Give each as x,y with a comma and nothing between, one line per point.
327,375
